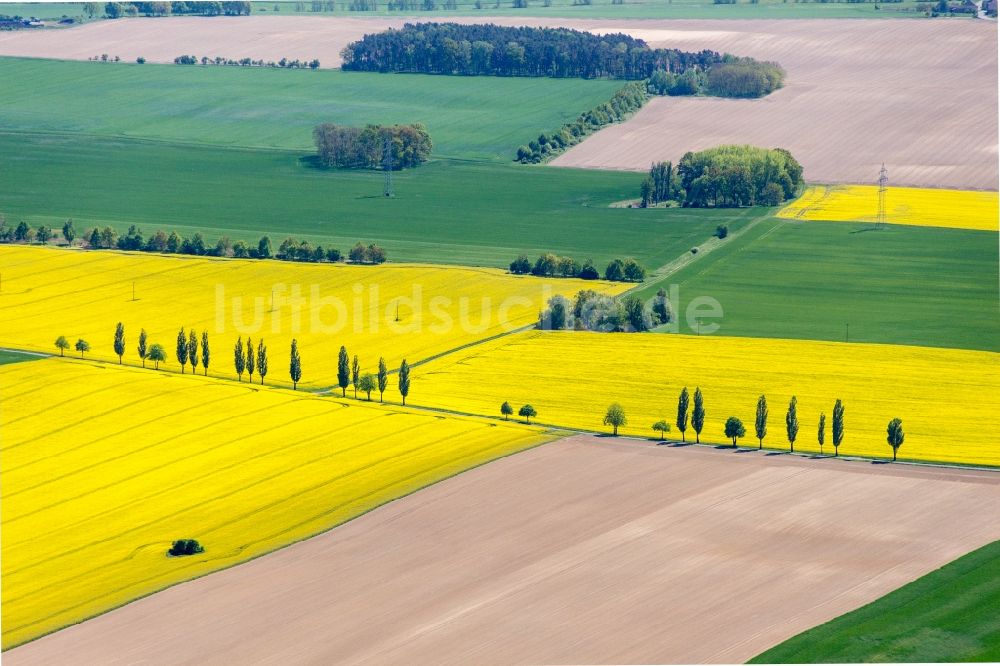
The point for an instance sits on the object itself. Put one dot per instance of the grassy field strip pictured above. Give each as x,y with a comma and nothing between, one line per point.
51,292
949,419
947,615
953,209
93,497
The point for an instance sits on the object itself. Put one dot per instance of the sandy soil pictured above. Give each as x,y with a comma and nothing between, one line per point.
920,96
586,550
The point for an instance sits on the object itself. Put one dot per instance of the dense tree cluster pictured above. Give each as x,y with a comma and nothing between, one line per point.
284,63
744,77
488,49
593,311
107,238
551,265
724,177
626,101
362,148
115,10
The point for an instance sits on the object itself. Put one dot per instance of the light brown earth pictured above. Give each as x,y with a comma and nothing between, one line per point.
586,550
919,95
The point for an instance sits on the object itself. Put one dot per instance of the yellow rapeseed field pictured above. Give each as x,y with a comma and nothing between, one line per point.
948,399
103,467
958,209
48,292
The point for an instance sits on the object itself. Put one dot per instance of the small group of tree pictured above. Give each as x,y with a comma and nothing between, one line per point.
724,177
349,375
247,359
346,147
183,547
696,415
113,10
104,57
62,344
24,233
422,5
316,6
627,100
526,411
284,63
733,424
731,77
592,311
551,265
366,254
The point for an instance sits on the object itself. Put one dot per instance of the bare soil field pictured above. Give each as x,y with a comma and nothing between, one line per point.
586,550
919,95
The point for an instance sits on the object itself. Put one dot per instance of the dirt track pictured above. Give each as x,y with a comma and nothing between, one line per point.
586,550
920,96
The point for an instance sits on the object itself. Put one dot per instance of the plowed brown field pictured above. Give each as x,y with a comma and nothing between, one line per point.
586,550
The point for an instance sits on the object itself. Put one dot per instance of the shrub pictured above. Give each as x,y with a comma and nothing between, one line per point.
722,231
183,547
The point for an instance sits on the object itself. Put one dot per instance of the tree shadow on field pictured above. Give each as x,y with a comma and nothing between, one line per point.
881,462
777,453
680,444
747,450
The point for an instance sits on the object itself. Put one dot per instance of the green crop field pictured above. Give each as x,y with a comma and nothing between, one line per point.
947,615
825,281
15,357
467,117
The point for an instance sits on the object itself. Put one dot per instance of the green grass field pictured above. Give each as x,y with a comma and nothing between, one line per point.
948,615
467,117
816,280
15,357
445,211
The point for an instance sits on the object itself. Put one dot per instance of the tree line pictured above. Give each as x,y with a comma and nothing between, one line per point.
593,311
113,10
489,49
627,100
724,177
192,350
732,76
284,63
363,147
734,429
107,238
551,265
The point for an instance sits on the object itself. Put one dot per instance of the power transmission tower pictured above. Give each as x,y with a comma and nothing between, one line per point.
883,182
387,164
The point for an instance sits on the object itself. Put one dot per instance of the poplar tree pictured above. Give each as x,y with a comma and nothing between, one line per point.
343,371
760,425
142,346
383,377
698,415
792,423
355,375
182,349
206,355
120,341
250,359
682,412
192,348
894,436
837,426
295,366
239,360
821,432
261,361
404,380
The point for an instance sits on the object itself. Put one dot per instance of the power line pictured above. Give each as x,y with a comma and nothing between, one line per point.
387,164
883,182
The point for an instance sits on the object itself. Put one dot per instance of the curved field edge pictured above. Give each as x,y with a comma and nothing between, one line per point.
38,553
947,615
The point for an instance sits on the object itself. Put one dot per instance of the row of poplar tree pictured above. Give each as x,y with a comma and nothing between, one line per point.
248,359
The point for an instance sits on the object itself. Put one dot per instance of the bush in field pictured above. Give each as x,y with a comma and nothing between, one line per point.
362,148
183,547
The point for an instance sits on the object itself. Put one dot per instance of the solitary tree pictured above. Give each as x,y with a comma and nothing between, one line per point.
821,432
527,411
837,426
383,377
895,436
355,375
142,346
251,361
63,344
734,428
792,423
182,349
760,424
261,361
192,348
661,427
82,346
506,410
404,380
367,384
295,365
239,360
120,341
206,355
682,412
698,415
156,354
343,371
615,417
68,232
